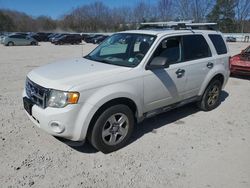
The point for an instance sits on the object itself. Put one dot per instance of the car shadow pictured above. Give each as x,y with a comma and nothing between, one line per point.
149,125
173,116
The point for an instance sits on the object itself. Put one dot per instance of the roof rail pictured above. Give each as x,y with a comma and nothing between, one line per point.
182,25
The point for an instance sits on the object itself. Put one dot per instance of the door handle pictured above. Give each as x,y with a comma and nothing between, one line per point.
210,65
180,73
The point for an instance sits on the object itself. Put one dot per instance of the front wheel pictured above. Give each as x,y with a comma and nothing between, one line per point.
33,43
112,129
211,97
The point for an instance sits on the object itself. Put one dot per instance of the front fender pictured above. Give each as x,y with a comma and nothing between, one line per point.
103,95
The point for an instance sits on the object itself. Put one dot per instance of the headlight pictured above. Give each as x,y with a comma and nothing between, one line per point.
59,99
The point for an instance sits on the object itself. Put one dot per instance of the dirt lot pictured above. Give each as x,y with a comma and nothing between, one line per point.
181,148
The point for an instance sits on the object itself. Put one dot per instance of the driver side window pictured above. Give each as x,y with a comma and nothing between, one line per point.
169,48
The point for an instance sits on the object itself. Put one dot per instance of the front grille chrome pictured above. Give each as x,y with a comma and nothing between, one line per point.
36,93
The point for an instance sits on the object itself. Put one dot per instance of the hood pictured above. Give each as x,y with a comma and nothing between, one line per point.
67,74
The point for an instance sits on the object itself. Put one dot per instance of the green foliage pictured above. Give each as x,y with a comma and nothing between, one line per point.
223,13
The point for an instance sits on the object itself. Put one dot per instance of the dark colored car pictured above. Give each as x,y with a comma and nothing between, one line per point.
68,39
99,39
40,37
91,38
55,36
240,63
84,36
231,39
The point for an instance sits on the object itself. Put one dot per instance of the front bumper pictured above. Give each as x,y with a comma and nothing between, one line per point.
74,123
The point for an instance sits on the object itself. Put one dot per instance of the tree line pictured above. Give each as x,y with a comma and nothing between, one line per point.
231,16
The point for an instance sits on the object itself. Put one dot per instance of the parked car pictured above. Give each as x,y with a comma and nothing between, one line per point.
84,36
40,36
99,39
240,63
52,35
68,39
131,76
91,38
231,39
19,40
2,36
58,35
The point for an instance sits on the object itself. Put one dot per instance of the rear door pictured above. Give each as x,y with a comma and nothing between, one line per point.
23,40
198,62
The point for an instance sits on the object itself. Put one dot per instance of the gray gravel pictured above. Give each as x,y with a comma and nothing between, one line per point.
182,148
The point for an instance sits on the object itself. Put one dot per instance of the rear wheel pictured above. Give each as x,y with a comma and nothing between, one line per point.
10,43
112,129
211,97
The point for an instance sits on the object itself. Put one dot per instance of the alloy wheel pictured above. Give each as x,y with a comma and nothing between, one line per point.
115,129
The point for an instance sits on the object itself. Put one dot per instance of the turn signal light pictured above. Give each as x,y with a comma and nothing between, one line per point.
73,97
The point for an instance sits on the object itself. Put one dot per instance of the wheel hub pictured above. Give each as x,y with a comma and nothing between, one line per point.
115,129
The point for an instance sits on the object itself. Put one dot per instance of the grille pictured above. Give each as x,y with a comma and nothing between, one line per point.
37,94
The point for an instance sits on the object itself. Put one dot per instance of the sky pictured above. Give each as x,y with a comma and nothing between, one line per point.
56,8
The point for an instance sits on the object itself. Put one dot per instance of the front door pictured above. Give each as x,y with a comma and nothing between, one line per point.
165,86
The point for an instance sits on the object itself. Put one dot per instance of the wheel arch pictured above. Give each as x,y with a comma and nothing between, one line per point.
120,100
218,76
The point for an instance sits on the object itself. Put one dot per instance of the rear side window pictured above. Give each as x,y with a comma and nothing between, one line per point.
195,47
218,43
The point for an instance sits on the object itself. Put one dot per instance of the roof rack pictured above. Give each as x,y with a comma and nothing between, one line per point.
182,25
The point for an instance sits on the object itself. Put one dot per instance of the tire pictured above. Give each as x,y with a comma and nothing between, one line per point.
33,43
211,97
10,43
107,135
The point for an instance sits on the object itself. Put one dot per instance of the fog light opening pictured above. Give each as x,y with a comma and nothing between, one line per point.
57,127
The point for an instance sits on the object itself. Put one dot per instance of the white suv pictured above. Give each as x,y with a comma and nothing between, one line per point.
131,76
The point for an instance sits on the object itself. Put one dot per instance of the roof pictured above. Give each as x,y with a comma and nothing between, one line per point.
161,32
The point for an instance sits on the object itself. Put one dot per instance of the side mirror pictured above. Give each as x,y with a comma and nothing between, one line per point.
158,63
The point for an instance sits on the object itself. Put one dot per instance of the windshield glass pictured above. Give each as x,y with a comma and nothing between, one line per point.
247,50
123,49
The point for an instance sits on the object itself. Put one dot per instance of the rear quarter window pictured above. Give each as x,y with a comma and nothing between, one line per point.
218,43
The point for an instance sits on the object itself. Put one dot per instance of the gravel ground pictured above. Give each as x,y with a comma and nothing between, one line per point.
182,148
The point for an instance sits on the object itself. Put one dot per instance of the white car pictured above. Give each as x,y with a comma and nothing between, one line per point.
132,75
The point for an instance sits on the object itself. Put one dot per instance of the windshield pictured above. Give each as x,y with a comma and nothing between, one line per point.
123,49
247,50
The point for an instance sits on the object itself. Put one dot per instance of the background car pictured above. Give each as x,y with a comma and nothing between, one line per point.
91,38
240,63
68,39
2,36
56,35
19,40
84,36
231,39
99,39
40,37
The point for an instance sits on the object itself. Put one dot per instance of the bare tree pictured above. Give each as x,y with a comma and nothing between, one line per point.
144,12
165,8
242,13
201,8
196,10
